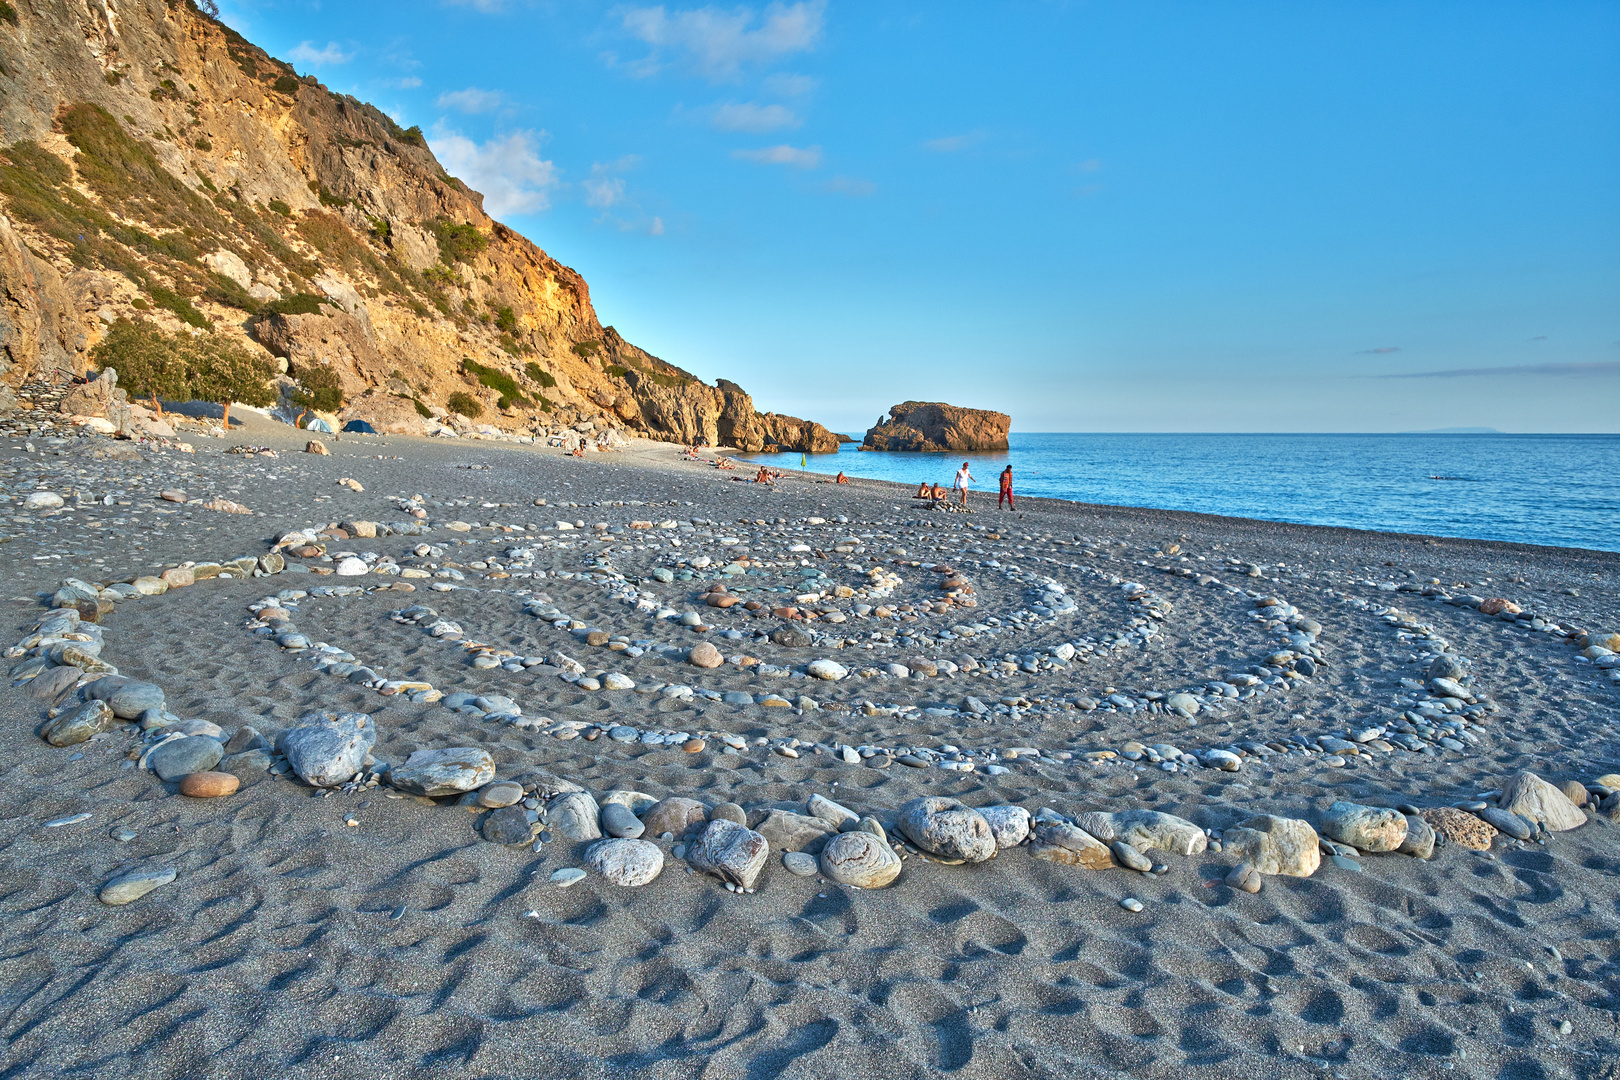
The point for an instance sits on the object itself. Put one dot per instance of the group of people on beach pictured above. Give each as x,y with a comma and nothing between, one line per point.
964,477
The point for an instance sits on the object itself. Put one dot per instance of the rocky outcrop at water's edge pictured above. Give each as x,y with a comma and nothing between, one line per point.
936,426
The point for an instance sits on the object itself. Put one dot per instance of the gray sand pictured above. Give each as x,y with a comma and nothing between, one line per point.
293,943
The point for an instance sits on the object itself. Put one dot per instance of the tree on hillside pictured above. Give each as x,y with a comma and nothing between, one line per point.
224,371
319,389
150,363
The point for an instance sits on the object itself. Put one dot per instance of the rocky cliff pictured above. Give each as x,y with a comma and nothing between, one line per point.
158,166
935,426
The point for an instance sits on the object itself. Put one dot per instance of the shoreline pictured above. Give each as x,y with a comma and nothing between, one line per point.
365,924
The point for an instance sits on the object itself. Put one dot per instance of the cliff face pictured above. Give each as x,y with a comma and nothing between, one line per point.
935,426
158,166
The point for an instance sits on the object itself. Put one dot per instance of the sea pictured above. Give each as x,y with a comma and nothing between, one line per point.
1559,490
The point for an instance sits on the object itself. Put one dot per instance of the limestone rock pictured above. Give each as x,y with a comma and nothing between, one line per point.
328,752
1459,827
129,887
1150,830
1366,828
617,820
1534,799
449,771
1419,839
947,828
185,755
575,815
729,851
858,858
788,831
705,655
625,862
1275,845
78,725
674,815
1060,842
1008,824
936,427
836,816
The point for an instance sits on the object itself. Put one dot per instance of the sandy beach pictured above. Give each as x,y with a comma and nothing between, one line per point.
1091,659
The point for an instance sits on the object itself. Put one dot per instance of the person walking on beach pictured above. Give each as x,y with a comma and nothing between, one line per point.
963,477
1006,488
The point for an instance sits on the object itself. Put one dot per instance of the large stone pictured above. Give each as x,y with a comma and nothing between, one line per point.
78,725
1366,828
1534,799
625,862
730,852
1508,822
860,859
617,820
819,806
575,815
1060,842
637,802
705,655
1275,845
507,825
328,752
826,670
1008,824
209,785
129,887
1459,827
674,815
1419,838
1150,830
948,829
932,426
188,754
788,831
128,697
449,771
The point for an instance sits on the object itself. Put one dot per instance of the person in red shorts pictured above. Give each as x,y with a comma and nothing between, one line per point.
1006,488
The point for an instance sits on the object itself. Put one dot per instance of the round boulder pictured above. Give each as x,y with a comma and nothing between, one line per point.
626,862
948,828
449,771
860,859
209,785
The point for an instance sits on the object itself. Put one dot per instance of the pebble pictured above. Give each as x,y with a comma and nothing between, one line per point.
800,864
209,785
508,825
129,887
1131,903
568,875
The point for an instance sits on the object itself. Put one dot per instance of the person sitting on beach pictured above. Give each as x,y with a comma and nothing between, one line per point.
724,463
842,479
939,494
922,491
764,476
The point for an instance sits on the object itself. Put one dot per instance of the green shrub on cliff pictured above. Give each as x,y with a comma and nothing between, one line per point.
498,381
319,389
465,404
150,363
540,375
458,243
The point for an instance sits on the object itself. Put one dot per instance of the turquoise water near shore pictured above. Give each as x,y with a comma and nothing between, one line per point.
1536,489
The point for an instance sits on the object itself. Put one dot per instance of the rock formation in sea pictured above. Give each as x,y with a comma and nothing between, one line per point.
936,426
157,166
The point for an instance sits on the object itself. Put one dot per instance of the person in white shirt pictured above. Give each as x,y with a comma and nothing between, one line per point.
963,477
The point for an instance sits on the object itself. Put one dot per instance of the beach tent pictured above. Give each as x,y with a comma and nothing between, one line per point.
315,423
360,426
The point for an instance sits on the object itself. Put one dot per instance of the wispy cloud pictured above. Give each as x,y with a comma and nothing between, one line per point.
717,42
603,191
1380,350
507,169
807,158
788,85
409,82
747,116
472,100
853,186
606,190
1598,367
306,53
489,7
950,144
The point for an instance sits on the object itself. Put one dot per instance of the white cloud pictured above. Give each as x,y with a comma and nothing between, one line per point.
656,228
472,100
306,53
748,116
409,82
508,169
603,192
850,185
950,144
719,42
489,7
785,85
808,158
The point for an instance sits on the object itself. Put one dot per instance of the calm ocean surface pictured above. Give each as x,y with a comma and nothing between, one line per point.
1535,489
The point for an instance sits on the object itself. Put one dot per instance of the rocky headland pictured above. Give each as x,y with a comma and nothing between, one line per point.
159,167
935,426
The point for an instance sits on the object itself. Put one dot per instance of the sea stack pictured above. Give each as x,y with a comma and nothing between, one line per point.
936,426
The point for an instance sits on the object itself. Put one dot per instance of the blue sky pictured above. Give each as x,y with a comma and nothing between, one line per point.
1093,216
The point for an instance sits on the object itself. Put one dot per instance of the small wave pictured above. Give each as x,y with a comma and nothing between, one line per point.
1460,479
